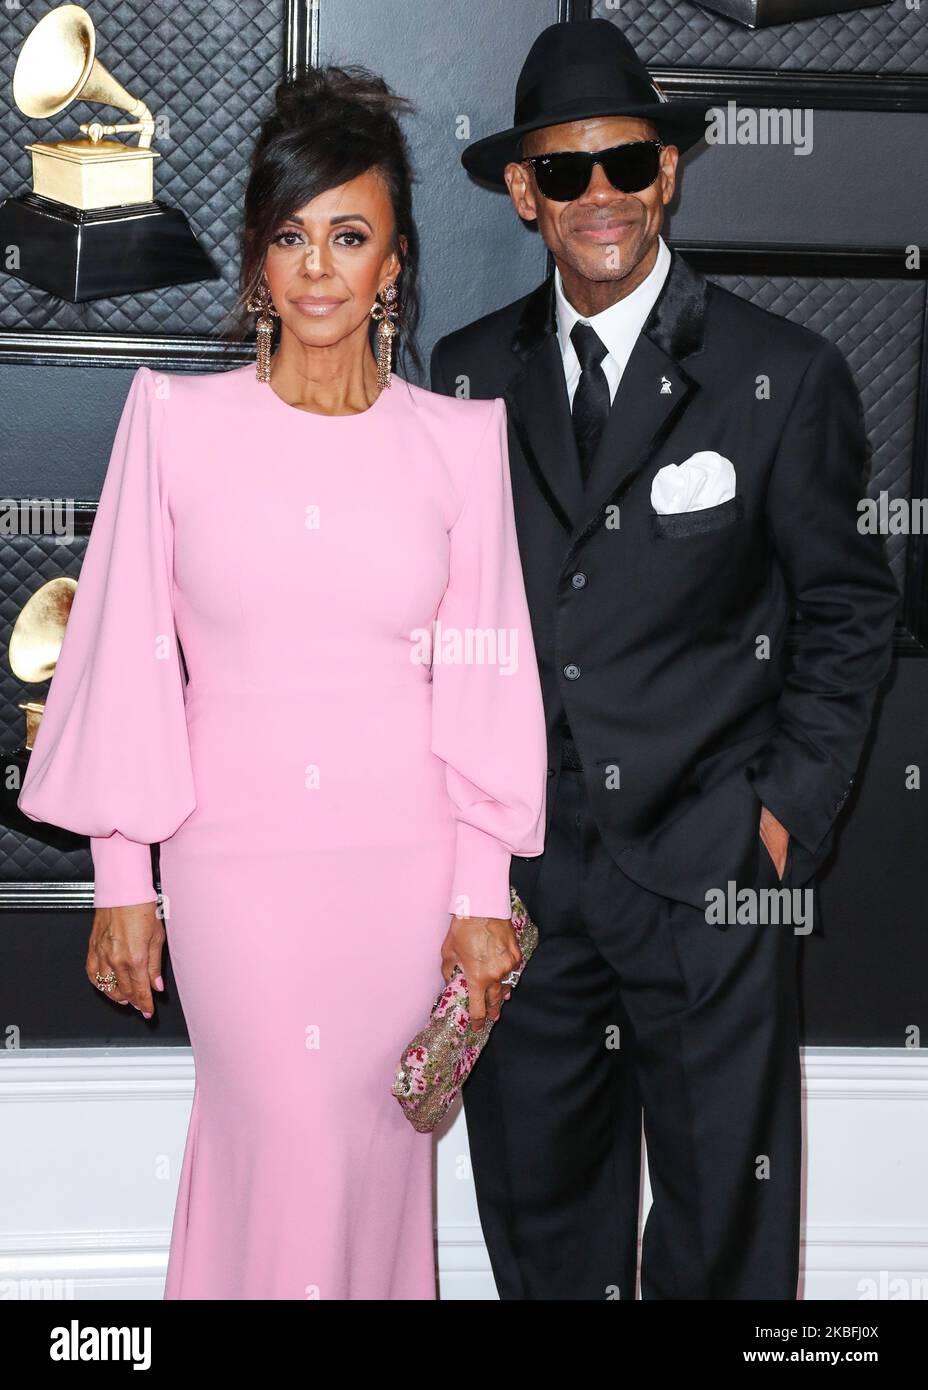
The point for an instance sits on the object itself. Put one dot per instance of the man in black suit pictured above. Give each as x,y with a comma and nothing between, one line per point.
686,469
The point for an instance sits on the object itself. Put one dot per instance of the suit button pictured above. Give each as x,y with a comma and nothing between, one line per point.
550,771
572,672
578,580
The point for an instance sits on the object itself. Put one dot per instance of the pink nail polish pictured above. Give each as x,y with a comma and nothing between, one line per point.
159,983
145,1015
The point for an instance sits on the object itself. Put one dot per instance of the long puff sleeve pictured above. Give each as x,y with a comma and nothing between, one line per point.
111,758
487,712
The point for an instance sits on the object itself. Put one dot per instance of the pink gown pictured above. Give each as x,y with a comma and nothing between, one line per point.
325,791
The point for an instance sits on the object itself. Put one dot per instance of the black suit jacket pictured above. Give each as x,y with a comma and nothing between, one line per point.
663,638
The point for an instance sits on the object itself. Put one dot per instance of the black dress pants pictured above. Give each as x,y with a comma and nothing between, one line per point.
633,1001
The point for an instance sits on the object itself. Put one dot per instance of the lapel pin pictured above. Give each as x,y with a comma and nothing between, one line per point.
665,386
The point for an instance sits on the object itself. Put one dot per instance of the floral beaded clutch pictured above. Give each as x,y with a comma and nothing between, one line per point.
436,1063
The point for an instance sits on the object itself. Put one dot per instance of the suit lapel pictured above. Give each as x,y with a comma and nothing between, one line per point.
653,387
539,408
654,392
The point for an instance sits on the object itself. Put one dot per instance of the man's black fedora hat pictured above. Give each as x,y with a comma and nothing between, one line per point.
576,69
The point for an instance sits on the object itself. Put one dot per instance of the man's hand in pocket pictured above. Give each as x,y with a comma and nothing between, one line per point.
776,839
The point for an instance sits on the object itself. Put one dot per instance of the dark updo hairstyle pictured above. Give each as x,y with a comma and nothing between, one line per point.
330,125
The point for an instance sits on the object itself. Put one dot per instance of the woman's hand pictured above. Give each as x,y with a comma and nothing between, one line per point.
486,949
127,940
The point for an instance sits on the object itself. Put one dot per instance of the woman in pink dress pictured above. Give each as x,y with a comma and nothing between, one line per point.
357,751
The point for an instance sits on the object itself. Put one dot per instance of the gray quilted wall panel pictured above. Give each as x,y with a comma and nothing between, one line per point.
678,33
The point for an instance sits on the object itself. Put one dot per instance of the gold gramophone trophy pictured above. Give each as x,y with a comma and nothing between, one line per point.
91,228
35,643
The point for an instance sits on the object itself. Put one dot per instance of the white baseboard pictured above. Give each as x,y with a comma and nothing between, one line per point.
94,1140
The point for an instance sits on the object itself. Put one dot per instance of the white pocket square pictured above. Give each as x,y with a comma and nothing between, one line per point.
703,480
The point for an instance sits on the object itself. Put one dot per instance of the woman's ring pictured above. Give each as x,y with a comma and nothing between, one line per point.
106,982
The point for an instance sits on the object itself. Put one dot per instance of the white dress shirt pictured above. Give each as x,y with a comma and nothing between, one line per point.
618,326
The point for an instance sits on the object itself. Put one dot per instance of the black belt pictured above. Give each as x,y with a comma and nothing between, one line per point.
570,757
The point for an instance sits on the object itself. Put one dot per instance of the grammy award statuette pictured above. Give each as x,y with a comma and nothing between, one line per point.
91,227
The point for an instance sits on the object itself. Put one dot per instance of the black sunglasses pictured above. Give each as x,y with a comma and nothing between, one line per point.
566,175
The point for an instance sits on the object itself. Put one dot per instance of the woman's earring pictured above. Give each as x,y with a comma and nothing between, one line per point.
261,303
385,312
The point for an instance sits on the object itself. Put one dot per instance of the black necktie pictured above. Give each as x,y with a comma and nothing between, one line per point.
591,403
